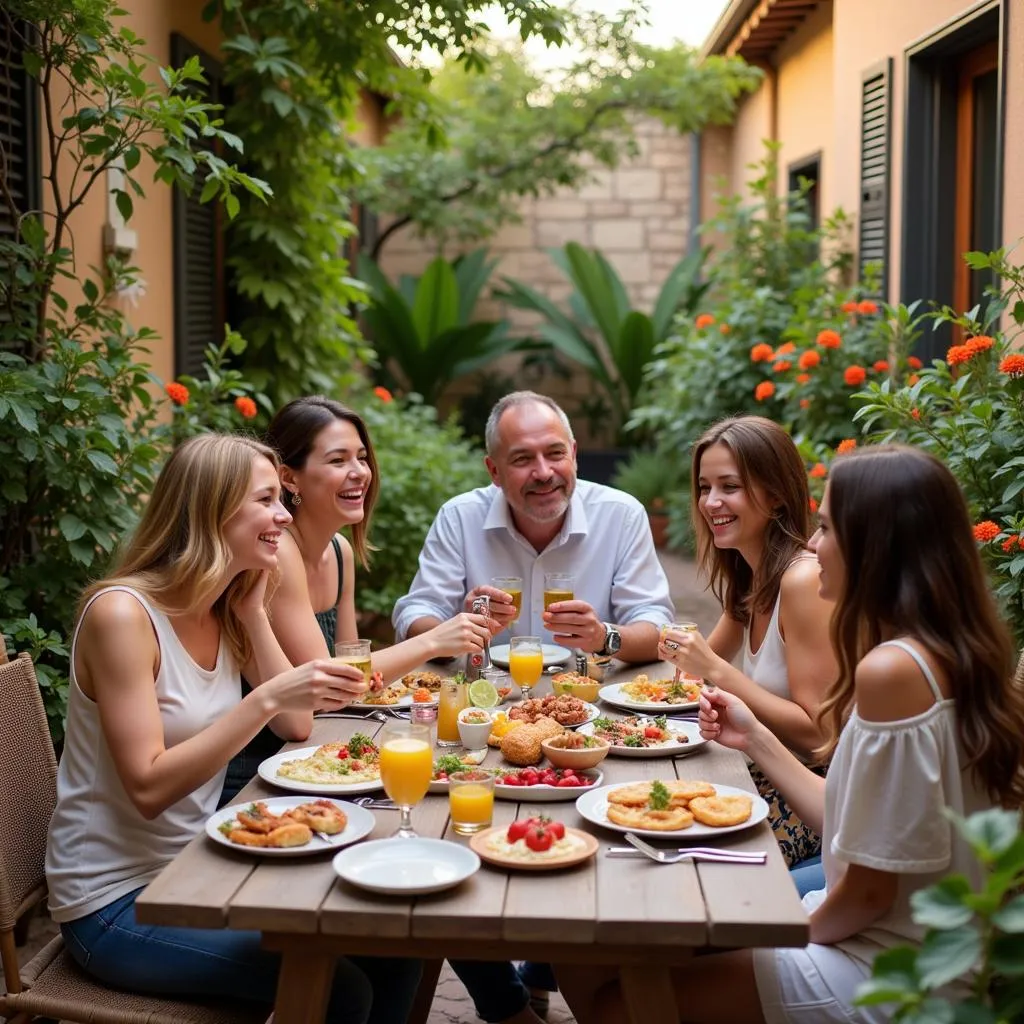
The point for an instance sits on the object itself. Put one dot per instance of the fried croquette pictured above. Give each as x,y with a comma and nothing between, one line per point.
321,816
522,746
287,835
671,819
721,811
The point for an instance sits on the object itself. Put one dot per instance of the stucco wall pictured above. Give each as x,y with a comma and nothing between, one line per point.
637,215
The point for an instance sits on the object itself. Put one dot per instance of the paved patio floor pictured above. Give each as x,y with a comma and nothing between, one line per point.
452,1005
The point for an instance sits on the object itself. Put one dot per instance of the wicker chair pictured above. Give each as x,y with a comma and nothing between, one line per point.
52,985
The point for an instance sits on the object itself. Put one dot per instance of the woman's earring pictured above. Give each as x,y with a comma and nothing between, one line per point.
296,498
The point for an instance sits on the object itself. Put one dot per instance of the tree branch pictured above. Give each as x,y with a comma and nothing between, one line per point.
469,187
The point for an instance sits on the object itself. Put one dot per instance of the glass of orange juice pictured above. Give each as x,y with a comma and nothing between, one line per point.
406,764
526,662
470,801
451,699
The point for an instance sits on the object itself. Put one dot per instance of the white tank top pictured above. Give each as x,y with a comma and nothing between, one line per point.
768,666
100,847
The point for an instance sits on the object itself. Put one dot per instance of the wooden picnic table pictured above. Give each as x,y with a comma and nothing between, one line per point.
625,913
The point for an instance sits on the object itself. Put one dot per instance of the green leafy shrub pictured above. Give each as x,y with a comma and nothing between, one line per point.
975,933
423,462
650,477
968,409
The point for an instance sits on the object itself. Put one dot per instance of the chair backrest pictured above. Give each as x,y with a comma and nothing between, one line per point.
28,789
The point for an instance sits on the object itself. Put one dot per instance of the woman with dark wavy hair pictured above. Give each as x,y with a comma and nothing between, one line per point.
751,516
924,716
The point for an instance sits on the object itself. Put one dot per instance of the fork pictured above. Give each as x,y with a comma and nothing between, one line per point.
377,716
693,853
375,804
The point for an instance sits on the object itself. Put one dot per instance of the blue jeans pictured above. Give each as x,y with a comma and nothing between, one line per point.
114,948
808,875
494,986
538,976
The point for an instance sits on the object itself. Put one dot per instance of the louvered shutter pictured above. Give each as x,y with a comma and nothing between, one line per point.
198,245
875,135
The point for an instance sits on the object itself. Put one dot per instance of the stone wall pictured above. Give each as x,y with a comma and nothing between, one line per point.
638,216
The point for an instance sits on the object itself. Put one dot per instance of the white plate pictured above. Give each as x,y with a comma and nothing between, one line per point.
268,772
612,694
402,702
406,867
671,749
360,823
551,653
593,711
538,794
593,805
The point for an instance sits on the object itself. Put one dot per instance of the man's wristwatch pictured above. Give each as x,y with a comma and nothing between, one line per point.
612,640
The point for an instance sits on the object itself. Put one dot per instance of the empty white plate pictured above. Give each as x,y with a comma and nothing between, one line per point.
552,654
406,867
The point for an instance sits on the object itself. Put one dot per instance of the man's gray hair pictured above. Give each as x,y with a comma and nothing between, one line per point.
512,400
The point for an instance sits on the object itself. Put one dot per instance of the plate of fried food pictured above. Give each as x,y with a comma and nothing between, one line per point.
672,808
288,826
332,768
659,695
639,736
566,710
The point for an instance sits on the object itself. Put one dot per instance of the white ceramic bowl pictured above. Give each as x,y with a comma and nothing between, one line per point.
474,734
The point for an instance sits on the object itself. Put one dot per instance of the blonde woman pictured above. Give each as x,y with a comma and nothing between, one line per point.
155,712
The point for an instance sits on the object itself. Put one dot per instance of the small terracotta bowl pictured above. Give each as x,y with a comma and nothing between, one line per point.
586,757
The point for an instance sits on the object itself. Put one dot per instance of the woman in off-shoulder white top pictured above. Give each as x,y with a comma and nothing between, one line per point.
922,717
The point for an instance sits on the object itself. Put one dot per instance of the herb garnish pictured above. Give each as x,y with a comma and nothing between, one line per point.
659,798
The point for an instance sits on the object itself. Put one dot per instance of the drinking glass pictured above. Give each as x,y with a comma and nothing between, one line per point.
453,697
558,586
406,764
513,586
526,662
677,627
355,653
500,679
471,801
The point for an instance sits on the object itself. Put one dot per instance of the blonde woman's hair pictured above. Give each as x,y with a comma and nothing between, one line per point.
177,556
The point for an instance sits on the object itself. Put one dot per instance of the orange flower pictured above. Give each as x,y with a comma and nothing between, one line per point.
849,307
724,328
882,366
982,343
782,366
1013,365
914,363
829,339
764,390
704,320
814,505
817,471
854,375
805,403
246,406
761,353
958,354
383,394
177,393
913,379
785,350
867,308
809,360
986,531
915,413
1010,543
846,445
802,378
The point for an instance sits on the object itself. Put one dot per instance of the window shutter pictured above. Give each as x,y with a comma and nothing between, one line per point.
875,133
198,244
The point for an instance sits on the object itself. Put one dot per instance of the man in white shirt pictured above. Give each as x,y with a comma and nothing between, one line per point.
535,519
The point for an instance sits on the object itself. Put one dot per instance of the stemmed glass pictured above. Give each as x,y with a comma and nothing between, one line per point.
406,764
677,627
525,662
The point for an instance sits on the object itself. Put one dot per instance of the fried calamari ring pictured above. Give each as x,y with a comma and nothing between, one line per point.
721,811
634,795
683,791
672,819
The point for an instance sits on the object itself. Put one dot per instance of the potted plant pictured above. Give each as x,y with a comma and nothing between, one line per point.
651,478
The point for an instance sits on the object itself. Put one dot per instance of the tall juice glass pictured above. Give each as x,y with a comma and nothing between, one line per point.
406,764
526,662
453,697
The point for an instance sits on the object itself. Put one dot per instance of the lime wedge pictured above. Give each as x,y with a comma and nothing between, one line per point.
483,694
